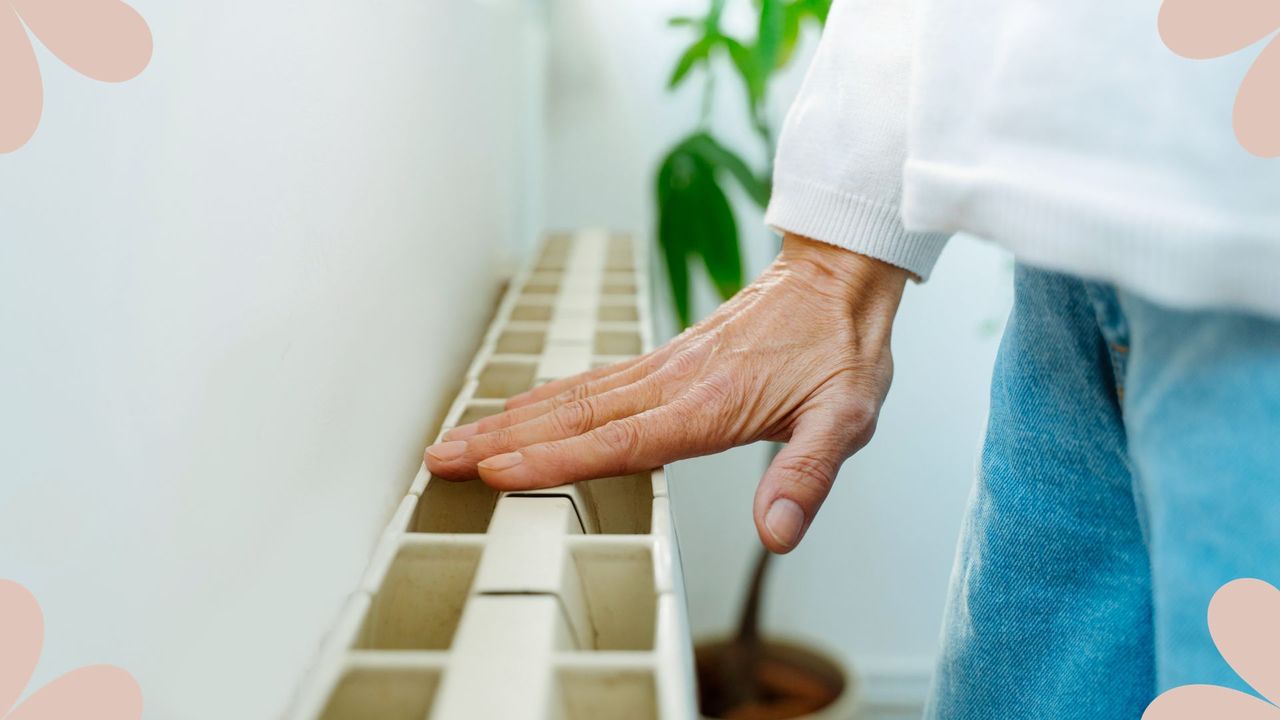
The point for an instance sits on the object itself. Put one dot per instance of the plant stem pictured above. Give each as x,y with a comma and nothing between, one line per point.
708,95
762,129
749,621
715,9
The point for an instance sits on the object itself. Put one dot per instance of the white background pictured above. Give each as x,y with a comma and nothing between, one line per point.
236,292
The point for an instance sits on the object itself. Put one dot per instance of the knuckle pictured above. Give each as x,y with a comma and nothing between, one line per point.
574,418
569,395
810,473
867,429
572,395
859,418
652,392
499,440
861,412
854,408
621,437
712,405
681,364
686,362
719,389
649,366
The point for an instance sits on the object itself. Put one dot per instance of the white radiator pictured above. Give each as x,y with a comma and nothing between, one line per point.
557,604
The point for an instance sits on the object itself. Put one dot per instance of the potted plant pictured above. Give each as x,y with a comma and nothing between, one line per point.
752,677
695,218
747,676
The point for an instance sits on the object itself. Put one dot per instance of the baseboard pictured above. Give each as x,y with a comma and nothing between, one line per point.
893,688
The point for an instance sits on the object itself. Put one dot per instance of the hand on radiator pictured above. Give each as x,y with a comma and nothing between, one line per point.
800,356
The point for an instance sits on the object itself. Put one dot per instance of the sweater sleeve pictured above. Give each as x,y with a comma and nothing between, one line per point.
838,172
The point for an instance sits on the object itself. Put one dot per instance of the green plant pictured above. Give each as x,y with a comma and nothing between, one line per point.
695,217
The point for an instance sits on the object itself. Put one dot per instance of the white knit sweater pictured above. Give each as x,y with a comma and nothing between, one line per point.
1061,129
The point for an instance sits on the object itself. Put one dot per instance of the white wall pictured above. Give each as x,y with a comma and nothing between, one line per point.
871,575
234,294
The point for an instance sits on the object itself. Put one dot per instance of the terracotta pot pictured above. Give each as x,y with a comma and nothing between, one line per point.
795,681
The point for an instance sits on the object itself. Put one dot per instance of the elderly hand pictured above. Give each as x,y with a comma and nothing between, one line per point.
801,356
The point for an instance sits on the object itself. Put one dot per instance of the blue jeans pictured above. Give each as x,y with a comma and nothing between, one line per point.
1131,467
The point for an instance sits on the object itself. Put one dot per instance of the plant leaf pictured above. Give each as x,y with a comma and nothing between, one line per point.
769,35
722,158
748,66
713,17
696,218
684,21
717,239
672,195
793,14
693,55
818,9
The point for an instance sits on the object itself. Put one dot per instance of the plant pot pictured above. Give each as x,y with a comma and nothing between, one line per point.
796,681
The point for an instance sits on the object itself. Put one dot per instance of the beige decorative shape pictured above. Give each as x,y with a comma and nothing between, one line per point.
103,692
103,39
1244,620
1203,29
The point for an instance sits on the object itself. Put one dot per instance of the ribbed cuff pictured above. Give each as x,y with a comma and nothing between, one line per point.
854,223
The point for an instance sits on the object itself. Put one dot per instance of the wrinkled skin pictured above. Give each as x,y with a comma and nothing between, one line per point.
800,356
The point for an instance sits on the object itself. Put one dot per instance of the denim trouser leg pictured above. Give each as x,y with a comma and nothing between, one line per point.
1050,612
1131,467
1202,409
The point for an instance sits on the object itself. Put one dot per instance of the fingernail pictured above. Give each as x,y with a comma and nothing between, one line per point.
502,462
447,450
462,432
785,521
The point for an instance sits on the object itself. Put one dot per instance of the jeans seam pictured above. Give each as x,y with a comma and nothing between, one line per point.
1114,331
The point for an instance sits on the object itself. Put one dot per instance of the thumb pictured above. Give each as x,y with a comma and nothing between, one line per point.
797,482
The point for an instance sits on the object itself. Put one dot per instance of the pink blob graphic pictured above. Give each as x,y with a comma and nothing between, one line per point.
102,692
1208,702
1256,116
103,39
1202,29
21,92
1244,620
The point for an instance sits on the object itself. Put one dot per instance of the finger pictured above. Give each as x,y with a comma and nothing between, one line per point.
525,413
458,459
503,419
628,445
797,482
673,371
555,387
636,367
653,360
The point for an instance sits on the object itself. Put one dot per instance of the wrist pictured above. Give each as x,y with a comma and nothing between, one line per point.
860,280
